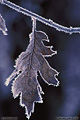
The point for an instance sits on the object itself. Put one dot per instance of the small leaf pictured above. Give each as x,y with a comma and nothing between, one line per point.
3,25
25,74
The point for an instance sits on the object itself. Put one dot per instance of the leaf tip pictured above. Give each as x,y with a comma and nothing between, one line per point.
4,32
7,82
57,73
27,112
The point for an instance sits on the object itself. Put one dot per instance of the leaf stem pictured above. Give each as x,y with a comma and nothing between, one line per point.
33,24
40,18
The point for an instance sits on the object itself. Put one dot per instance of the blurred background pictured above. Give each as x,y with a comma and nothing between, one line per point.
63,100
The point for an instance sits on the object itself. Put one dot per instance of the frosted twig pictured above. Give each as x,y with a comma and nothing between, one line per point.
40,18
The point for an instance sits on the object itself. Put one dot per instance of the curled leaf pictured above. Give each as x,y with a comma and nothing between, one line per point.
3,25
25,74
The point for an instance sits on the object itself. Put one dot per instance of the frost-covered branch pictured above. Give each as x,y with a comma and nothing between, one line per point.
41,19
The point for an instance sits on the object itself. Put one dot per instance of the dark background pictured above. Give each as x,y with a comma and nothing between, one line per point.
63,100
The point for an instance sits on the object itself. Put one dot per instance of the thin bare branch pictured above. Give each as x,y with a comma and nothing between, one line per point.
40,18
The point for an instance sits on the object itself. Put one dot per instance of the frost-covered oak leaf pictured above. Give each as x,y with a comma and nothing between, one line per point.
25,74
3,25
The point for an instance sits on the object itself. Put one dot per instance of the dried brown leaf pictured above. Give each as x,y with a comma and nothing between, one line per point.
25,74
2,25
